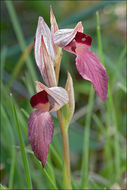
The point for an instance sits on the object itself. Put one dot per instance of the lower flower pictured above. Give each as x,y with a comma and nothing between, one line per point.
40,124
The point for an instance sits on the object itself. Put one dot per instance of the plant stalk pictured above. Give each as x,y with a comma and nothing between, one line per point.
66,154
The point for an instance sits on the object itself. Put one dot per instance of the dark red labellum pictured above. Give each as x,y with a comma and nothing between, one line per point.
39,98
83,38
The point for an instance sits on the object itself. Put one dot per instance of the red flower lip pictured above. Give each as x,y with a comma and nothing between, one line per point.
39,98
83,38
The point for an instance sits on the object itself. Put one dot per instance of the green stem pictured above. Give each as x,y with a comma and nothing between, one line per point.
85,158
66,154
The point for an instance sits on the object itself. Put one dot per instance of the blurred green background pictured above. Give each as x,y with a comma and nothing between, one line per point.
107,153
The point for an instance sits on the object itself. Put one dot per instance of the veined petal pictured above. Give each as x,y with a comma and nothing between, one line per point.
63,37
70,89
57,96
57,50
40,133
40,101
47,68
91,69
43,31
44,53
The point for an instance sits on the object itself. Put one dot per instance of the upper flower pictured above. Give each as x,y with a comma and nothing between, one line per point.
87,63
45,50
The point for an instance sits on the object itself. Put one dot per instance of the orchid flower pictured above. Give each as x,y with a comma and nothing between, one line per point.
87,63
48,98
40,124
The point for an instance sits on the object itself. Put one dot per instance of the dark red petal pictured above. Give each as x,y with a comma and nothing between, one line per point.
39,98
83,38
40,133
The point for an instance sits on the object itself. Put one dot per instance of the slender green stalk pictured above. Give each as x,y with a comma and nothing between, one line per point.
22,147
12,168
20,37
49,178
116,138
85,157
66,154
110,106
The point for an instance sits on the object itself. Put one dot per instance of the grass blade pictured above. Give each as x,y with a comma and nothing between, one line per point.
110,106
22,147
84,171
20,37
12,168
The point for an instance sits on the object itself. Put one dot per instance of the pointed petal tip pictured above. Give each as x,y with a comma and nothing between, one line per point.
51,11
54,26
70,89
79,27
40,19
